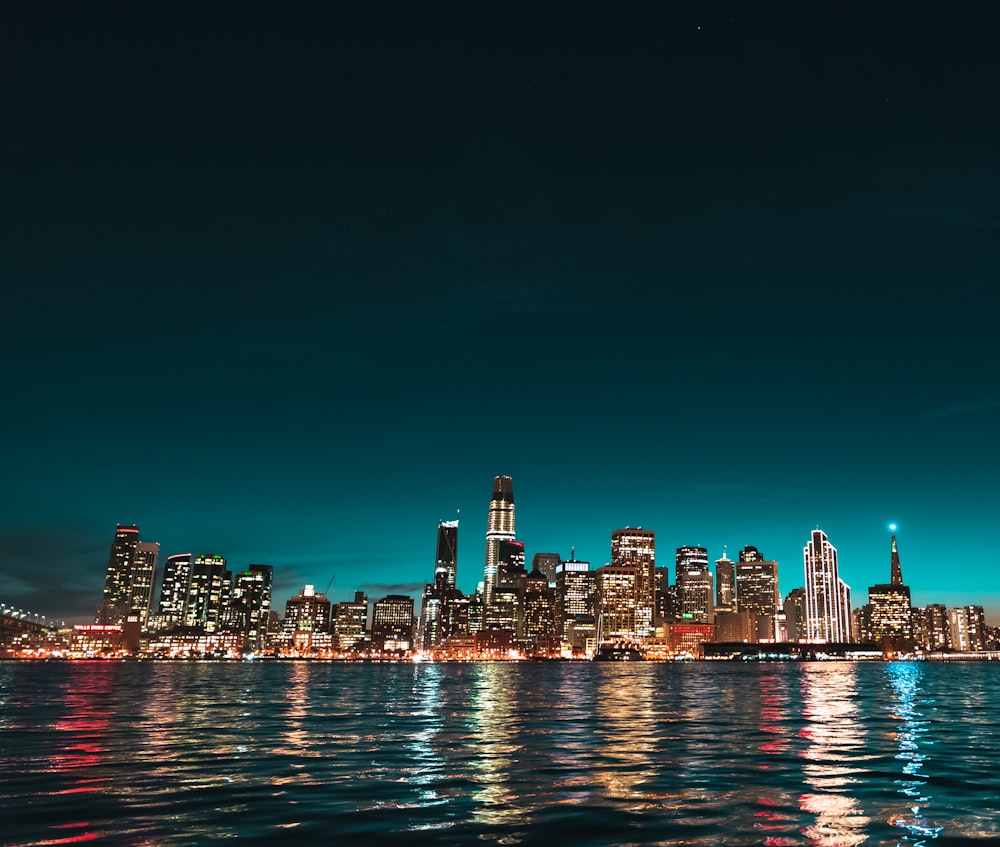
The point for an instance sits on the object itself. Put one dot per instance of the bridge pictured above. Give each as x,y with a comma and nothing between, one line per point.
14,620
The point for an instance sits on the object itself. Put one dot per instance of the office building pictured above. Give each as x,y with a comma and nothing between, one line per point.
309,611
128,579
891,619
446,565
694,585
576,591
757,592
827,597
499,527
636,549
725,583
392,624
174,591
546,564
250,606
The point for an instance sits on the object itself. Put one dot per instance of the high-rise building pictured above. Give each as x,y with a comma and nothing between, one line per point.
616,603
725,583
309,611
576,590
538,611
936,628
694,585
546,563
891,618
757,591
250,605
795,614
174,591
636,549
209,591
129,579
446,566
143,579
508,589
392,623
499,527
828,607
968,628
351,622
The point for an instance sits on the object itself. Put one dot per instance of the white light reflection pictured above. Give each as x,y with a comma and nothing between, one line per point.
829,693
904,685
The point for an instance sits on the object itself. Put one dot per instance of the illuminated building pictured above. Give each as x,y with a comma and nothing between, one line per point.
174,591
538,608
307,612
795,614
735,626
616,602
936,627
757,591
576,590
725,583
250,606
392,623
694,585
967,626
446,566
128,581
828,608
438,603
505,610
546,563
891,618
208,592
499,527
636,549
351,622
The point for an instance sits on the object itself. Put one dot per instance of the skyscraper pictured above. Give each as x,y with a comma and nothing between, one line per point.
636,549
209,591
891,615
576,590
499,527
250,605
725,583
392,623
694,584
757,590
174,590
828,610
128,581
446,567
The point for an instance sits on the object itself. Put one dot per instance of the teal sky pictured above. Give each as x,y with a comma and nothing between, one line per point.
291,286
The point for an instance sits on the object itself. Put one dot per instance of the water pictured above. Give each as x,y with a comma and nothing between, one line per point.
552,754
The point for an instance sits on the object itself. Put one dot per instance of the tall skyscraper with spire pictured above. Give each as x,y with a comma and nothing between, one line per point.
828,607
891,614
499,527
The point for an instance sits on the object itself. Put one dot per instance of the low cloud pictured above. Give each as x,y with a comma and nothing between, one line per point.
961,409
393,587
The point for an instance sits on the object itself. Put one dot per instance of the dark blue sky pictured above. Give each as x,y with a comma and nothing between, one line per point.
293,285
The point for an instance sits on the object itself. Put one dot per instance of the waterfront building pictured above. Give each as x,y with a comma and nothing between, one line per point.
446,565
350,622
968,629
636,549
735,626
208,594
795,614
392,623
756,580
890,617
828,607
174,591
538,608
129,578
694,585
576,590
250,606
499,527
725,583
438,603
936,627
617,603
309,611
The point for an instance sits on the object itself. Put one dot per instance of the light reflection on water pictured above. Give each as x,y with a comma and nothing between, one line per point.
826,754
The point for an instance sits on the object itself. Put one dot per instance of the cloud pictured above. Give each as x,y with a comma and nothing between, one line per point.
393,587
961,409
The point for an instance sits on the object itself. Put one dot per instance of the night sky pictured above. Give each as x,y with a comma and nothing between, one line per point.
292,284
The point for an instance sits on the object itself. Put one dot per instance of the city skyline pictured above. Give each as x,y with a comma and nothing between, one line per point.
294,287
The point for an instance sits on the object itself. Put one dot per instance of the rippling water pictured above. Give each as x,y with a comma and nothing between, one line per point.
564,753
